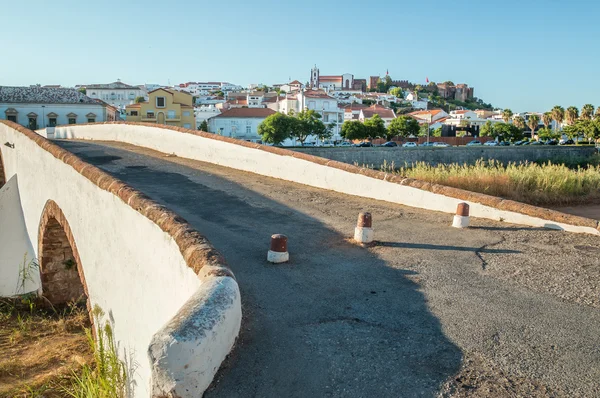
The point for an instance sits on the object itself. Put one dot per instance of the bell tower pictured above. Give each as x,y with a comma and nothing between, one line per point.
314,77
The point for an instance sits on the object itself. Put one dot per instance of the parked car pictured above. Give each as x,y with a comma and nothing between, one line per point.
409,145
551,142
344,143
522,142
566,142
365,144
441,144
390,144
536,143
491,143
427,144
474,143
504,143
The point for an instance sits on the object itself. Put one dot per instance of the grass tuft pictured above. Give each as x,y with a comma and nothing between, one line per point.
107,378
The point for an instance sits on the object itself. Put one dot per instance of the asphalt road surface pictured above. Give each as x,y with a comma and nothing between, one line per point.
495,310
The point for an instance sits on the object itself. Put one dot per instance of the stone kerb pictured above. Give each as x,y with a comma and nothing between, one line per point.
217,317
493,202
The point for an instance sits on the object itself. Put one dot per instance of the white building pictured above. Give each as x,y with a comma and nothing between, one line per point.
429,116
330,83
40,107
117,93
456,118
205,112
239,123
385,113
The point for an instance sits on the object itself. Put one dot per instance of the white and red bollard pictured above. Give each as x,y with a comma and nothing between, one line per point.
278,252
461,219
363,233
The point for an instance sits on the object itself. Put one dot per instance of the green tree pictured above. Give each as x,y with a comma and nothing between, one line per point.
276,128
403,126
437,132
380,86
397,92
587,111
354,130
424,130
388,82
507,114
545,133
307,123
507,132
418,88
558,114
589,128
375,127
519,122
203,126
533,122
139,99
571,114
464,123
597,114
547,118
82,90
486,130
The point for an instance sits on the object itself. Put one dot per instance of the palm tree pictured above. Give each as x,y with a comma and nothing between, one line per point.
507,114
547,118
571,114
597,114
587,112
533,122
558,114
519,122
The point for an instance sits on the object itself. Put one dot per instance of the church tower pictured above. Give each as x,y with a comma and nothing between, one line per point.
314,78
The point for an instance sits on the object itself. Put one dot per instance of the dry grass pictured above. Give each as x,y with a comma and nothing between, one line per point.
40,349
545,185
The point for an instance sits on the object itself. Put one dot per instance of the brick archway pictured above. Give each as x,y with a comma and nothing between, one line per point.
61,272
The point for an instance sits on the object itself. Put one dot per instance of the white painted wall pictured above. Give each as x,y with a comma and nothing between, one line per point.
243,128
293,169
62,110
16,250
134,271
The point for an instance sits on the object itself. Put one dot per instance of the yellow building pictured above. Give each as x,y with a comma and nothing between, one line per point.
170,107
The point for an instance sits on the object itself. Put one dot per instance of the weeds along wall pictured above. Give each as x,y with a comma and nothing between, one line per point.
149,271
322,173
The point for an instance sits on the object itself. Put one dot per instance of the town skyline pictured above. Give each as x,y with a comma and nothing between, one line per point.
527,57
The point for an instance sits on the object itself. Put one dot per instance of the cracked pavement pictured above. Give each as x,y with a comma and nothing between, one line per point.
493,310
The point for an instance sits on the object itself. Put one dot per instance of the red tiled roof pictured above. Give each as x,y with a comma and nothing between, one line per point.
431,112
317,94
382,112
350,107
233,101
331,78
246,113
295,82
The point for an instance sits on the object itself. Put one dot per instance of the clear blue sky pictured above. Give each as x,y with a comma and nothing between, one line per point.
524,55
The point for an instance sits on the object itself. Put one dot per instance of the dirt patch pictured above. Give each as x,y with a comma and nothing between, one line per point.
479,377
40,348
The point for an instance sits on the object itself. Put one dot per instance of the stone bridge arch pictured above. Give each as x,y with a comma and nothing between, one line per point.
61,272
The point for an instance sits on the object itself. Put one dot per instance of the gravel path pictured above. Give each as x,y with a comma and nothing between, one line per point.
495,310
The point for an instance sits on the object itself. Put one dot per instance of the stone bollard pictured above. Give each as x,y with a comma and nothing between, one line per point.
461,219
363,233
278,252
